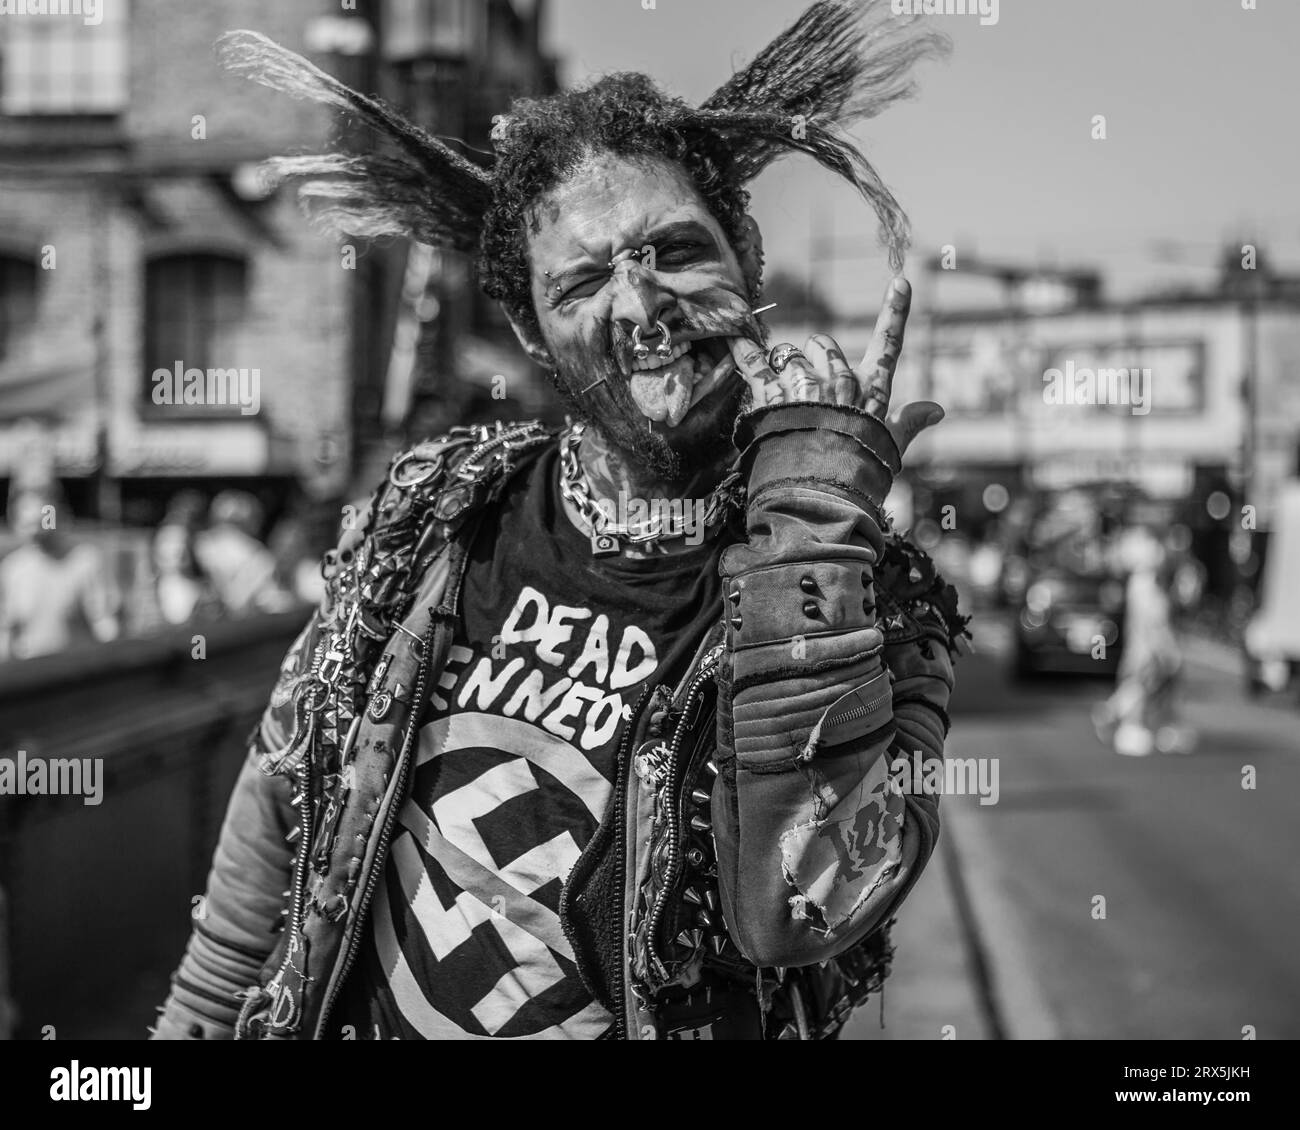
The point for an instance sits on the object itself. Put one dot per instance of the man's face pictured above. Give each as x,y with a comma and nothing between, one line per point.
669,416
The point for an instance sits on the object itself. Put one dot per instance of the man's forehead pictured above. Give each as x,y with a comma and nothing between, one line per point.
613,202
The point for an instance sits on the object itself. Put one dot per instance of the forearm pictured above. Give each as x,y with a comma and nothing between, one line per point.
815,844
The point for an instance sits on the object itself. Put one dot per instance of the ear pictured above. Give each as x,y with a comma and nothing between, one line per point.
530,338
749,250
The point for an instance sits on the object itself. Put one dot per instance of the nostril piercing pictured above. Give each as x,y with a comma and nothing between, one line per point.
639,351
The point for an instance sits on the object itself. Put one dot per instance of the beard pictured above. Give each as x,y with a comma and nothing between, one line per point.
703,436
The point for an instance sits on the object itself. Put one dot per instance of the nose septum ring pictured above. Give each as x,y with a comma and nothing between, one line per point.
664,348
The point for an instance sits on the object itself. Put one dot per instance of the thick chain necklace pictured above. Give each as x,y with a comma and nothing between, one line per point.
608,537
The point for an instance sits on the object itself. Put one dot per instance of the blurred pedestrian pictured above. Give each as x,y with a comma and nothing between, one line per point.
54,591
1141,717
241,568
297,560
182,589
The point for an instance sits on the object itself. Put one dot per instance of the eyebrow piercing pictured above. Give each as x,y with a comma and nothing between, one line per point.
629,253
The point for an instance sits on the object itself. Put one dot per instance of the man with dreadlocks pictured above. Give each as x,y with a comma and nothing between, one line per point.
535,771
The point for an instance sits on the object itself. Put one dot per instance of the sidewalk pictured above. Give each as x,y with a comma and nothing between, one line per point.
932,993
1217,653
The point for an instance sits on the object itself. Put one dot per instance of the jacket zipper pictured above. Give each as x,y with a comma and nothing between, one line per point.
413,725
865,708
303,783
620,849
675,806
299,872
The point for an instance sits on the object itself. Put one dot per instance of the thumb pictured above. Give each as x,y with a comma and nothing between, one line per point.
912,419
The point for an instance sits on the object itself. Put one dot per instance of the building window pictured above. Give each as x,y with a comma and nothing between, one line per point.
451,29
63,63
193,307
17,298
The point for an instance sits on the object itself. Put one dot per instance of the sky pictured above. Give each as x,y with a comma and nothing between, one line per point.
995,155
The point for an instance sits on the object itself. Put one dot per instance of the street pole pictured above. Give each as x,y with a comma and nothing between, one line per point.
1133,345
107,496
932,271
1249,435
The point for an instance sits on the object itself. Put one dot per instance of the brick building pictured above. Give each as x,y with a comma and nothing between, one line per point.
136,238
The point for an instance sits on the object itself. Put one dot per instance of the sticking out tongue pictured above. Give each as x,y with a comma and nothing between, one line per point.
665,394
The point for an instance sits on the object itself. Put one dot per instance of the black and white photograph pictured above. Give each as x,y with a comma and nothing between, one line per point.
564,520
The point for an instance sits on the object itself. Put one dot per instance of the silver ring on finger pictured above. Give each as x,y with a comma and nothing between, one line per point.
782,355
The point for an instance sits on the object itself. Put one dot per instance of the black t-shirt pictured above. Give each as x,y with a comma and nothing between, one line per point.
515,764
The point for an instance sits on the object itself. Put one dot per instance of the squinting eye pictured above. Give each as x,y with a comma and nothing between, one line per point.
585,288
677,253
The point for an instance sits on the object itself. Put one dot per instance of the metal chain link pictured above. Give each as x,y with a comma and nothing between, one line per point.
576,488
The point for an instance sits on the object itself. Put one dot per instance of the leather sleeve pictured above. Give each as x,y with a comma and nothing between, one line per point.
235,925
827,679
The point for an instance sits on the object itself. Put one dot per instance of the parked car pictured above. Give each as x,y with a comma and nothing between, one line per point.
1062,580
1070,623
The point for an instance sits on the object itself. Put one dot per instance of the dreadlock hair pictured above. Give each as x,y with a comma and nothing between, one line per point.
842,62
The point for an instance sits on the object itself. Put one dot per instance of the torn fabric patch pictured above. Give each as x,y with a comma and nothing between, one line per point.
836,861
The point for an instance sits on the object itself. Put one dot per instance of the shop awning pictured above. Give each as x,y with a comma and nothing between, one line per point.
51,388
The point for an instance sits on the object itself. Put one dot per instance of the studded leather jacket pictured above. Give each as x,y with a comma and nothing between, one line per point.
741,883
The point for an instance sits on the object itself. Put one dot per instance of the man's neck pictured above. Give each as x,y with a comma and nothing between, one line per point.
611,474
615,480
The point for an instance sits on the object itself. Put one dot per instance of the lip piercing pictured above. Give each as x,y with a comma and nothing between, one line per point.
664,348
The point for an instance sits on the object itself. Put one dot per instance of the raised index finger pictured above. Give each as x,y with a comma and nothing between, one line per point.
876,373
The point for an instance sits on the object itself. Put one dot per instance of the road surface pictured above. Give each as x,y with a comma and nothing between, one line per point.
1107,897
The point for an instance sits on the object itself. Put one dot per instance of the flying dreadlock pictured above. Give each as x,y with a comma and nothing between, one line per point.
842,62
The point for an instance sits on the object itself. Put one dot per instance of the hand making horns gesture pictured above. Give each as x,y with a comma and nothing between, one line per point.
819,372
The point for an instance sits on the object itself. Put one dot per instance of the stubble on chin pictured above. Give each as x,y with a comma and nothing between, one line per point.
608,408
701,441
